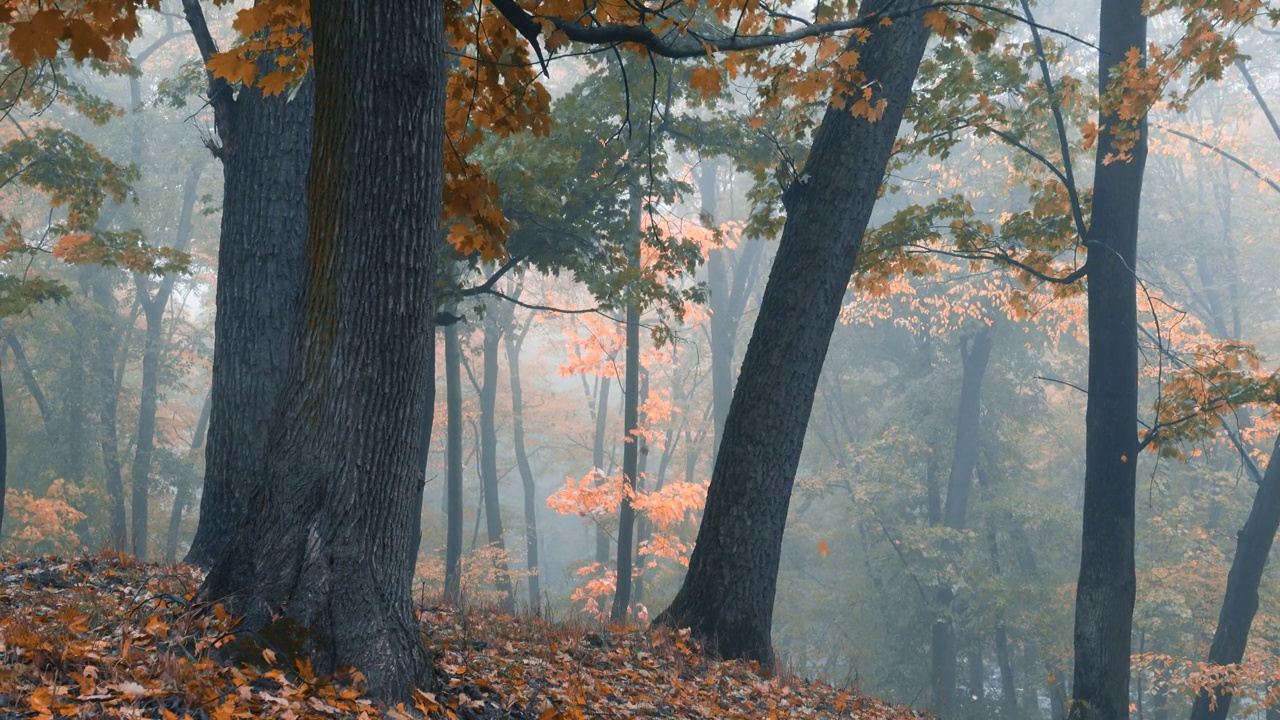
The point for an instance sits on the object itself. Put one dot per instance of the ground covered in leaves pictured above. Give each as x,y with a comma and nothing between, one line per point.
103,637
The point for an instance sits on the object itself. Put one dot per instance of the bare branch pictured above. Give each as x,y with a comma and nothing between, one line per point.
1225,154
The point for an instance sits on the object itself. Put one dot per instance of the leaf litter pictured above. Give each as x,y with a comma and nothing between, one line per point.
106,637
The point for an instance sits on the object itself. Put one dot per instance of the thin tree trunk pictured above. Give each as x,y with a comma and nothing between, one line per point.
1106,586
1240,601
453,464
265,152
183,496
514,343
630,427
489,454
603,541
1008,684
4,457
728,594
108,401
323,557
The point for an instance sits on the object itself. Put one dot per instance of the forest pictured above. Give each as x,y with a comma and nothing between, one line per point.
626,358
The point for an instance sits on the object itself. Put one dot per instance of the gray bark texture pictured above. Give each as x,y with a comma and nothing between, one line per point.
324,555
728,594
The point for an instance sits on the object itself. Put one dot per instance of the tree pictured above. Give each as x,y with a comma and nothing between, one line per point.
265,148
323,555
727,596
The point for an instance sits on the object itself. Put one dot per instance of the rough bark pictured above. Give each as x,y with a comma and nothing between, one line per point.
183,496
265,152
728,594
513,344
324,556
453,464
1240,602
1106,586
489,453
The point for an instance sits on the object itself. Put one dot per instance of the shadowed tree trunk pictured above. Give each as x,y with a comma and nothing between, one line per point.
1105,590
183,496
630,425
453,464
1008,684
489,452
265,152
1240,602
728,594
323,556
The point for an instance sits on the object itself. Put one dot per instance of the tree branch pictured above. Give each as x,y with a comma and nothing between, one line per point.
221,97
1223,153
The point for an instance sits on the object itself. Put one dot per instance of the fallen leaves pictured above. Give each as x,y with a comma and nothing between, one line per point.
107,638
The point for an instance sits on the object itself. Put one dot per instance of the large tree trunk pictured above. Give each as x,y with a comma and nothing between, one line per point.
324,554
265,153
727,596
489,453
453,464
183,495
1105,591
1008,684
513,343
1240,602
630,425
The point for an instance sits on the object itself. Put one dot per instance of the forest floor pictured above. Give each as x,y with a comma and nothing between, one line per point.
104,637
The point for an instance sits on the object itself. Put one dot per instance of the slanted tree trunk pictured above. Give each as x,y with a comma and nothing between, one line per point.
630,426
728,594
265,151
489,453
453,464
183,496
323,557
514,342
1106,586
1240,602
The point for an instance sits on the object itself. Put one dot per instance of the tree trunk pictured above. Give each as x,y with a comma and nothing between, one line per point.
1008,684
630,425
323,556
183,495
453,464
728,594
975,353
153,308
514,343
489,454
1240,602
1105,590
603,541
104,366
265,153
